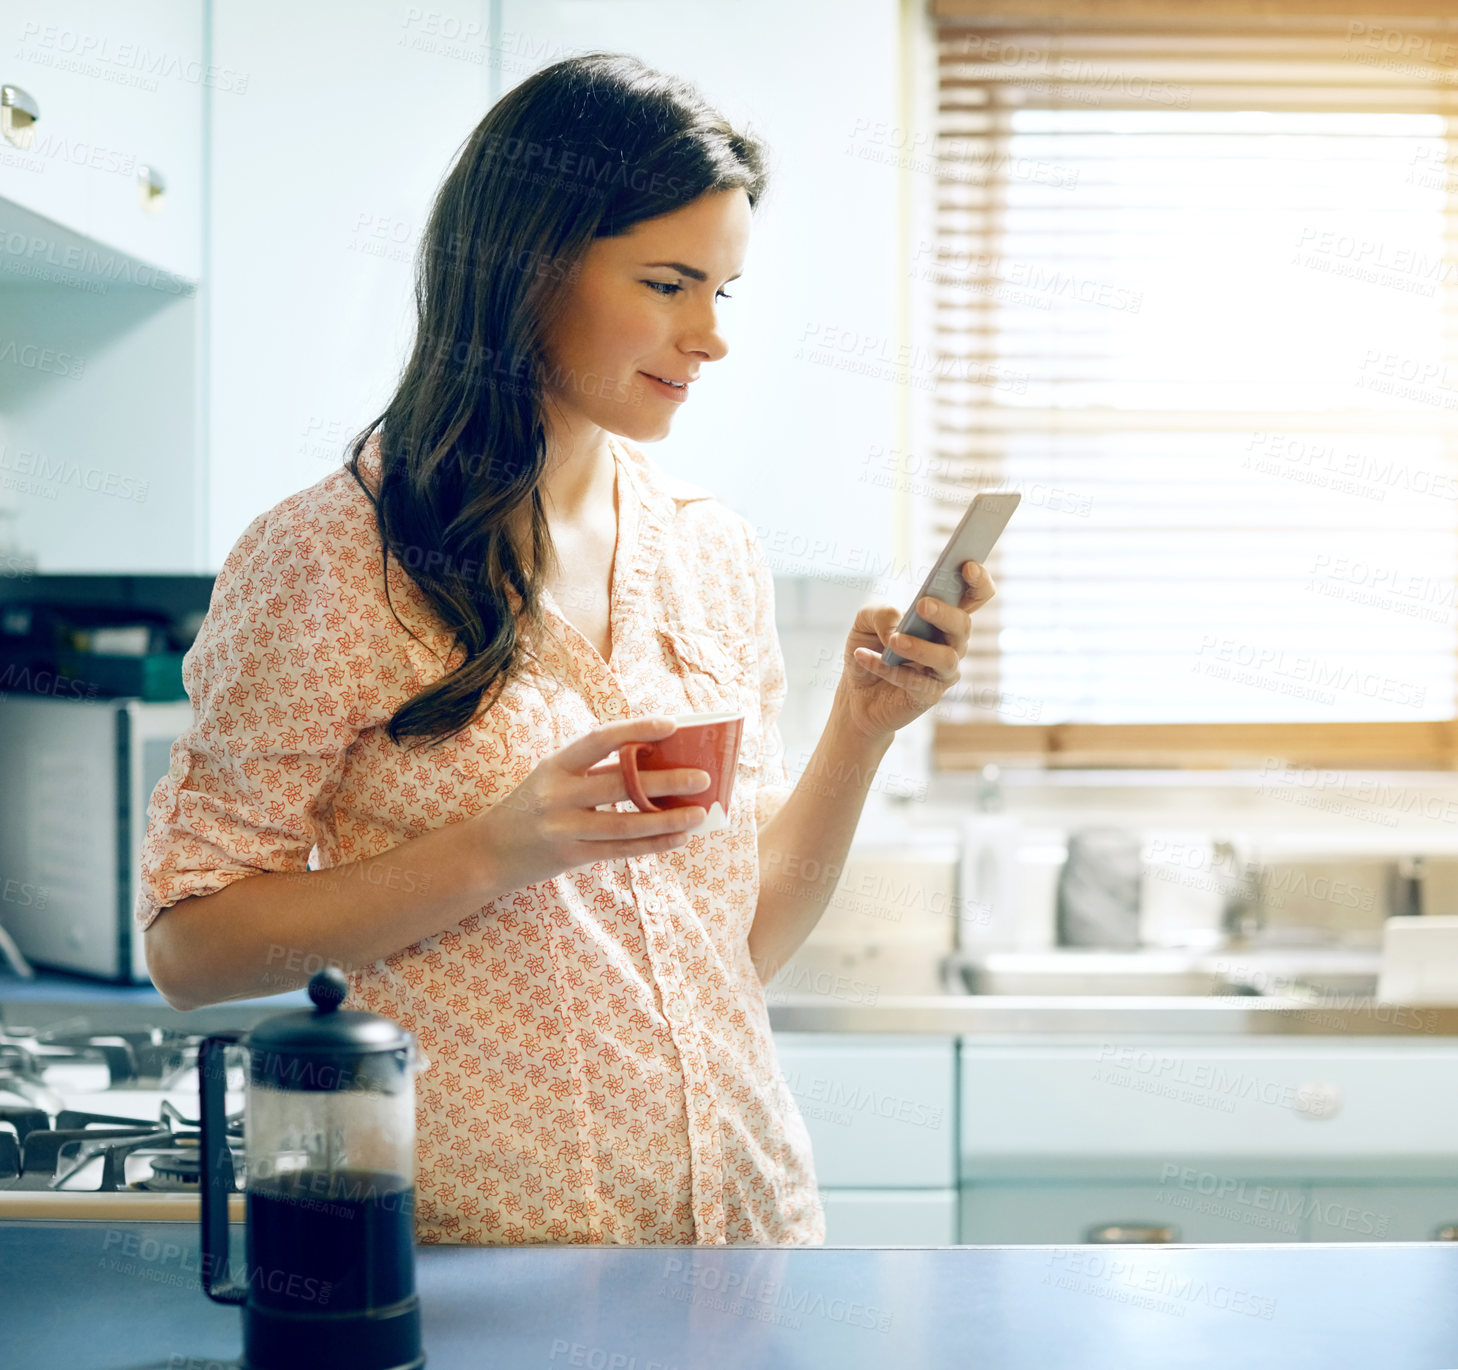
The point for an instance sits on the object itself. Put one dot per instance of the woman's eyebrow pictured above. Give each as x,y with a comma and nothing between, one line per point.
692,271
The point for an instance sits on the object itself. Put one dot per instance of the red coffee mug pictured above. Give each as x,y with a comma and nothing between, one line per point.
705,742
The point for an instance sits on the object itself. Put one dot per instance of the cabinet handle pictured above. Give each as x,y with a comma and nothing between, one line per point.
1447,1233
18,113
152,186
1133,1232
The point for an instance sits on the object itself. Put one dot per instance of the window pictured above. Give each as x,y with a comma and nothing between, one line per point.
1193,296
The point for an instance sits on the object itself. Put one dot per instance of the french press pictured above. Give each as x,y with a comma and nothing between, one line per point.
329,1182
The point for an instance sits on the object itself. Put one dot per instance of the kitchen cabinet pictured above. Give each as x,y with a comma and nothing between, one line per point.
1064,1214
921,1140
1216,1210
1236,1140
101,403
184,414
154,120
1262,1106
119,90
890,1217
1383,1212
48,178
882,1121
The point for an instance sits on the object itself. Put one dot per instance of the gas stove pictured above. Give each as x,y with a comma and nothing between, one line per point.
97,1124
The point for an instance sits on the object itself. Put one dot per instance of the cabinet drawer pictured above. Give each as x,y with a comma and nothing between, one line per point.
1069,1214
1152,1103
890,1217
1381,1213
879,1110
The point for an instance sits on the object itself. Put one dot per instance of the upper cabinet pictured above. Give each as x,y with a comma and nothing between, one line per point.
101,326
103,110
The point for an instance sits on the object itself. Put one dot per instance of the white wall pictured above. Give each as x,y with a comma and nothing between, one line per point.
323,171
351,116
780,439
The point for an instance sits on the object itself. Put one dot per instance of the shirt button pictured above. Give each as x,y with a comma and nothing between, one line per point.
653,904
612,706
675,1010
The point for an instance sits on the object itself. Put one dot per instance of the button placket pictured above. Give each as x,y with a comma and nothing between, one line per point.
699,1103
706,1162
662,949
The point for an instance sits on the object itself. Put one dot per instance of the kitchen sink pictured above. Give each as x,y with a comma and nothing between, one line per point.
1308,975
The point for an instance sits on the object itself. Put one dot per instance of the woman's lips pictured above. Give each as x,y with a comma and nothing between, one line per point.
678,394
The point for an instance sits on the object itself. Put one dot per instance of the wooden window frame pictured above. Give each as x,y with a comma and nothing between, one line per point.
1430,745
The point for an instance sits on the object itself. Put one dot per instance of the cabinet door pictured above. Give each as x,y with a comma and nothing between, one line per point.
1072,1213
1386,1212
1266,1107
54,177
153,118
890,1217
879,1110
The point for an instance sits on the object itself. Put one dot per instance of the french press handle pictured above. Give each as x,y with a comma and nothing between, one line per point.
217,1166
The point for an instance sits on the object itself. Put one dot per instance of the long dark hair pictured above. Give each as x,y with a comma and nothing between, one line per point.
582,149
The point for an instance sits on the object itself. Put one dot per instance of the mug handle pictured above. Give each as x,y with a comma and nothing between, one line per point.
217,1165
628,756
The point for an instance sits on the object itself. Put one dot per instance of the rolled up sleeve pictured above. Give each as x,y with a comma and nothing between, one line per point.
273,678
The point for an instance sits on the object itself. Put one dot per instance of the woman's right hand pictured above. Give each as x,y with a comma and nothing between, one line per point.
550,822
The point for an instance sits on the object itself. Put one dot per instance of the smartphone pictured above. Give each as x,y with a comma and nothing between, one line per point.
972,540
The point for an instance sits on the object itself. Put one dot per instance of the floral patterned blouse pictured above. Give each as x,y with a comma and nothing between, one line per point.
599,1064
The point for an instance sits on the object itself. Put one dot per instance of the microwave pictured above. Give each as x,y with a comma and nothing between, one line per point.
73,809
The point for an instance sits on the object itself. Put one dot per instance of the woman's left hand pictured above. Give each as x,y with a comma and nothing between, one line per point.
876,699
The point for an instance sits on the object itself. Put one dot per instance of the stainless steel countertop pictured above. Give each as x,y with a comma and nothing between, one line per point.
104,1296
1010,1015
946,1015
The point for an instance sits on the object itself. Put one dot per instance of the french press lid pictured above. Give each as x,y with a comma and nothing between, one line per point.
327,1047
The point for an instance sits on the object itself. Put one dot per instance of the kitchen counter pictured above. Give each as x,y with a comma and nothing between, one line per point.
53,997
936,1015
107,1296
1091,1015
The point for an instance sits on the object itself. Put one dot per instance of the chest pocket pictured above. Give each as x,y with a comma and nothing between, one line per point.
718,675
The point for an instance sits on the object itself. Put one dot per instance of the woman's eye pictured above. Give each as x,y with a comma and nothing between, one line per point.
669,288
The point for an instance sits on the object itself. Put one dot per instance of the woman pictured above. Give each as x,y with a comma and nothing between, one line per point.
419,666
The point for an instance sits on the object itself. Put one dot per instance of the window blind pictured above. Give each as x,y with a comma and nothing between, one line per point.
1192,292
